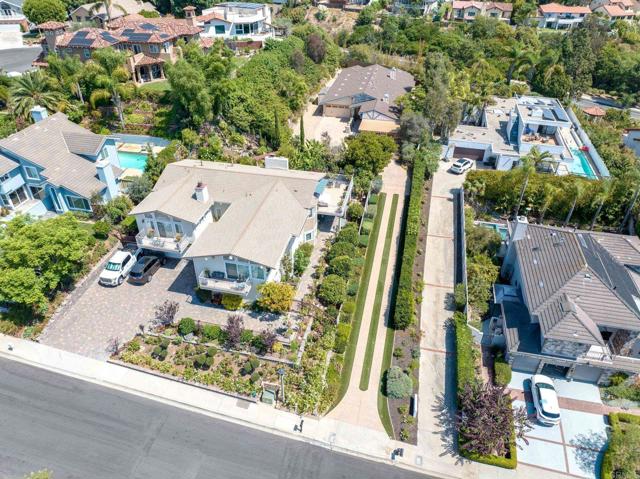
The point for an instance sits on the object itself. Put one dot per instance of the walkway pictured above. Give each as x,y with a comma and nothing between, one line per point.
361,407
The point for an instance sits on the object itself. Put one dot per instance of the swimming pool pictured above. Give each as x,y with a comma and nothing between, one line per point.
128,159
580,165
498,228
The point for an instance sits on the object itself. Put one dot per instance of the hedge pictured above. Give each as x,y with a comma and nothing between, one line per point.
405,303
510,462
465,353
615,418
502,371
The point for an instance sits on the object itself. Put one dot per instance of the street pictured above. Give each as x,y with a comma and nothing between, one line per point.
79,430
587,101
18,59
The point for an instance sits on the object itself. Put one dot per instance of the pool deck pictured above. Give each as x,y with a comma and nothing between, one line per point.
137,148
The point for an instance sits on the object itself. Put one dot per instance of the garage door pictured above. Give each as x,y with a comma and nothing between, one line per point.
525,364
587,374
470,153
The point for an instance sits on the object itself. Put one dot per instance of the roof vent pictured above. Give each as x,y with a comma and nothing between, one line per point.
541,283
202,192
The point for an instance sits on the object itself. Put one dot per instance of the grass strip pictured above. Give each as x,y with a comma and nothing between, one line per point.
377,304
361,298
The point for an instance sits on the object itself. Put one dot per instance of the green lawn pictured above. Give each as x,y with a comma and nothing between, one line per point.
360,301
156,86
377,304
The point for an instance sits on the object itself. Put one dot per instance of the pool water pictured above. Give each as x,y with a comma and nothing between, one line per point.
500,229
136,161
580,165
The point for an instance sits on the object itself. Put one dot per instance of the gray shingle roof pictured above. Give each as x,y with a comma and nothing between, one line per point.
591,271
45,144
6,164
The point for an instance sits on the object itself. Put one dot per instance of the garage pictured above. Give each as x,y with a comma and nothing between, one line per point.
471,153
525,364
587,373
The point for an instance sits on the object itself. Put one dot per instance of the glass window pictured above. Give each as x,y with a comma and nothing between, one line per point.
86,53
219,29
4,177
239,30
308,237
232,270
257,272
77,203
136,48
154,48
19,196
31,173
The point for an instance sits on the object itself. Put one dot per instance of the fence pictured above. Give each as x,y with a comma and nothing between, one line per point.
595,156
140,139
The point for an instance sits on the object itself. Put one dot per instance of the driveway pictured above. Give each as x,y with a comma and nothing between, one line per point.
575,446
18,59
95,315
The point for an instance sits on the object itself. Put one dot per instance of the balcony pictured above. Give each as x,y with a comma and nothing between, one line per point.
603,357
11,184
223,285
11,15
167,245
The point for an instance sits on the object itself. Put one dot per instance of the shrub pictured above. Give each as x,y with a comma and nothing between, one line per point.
211,332
246,336
117,209
398,384
398,352
212,351
341,266
8,327
101,229
621,458
128,226
231,302
349,307
371,211
460,296
355,211
348,234
502,371
367,226
233,330
342,338
341,248
465,353
364,240
159,353
302,258
332,290
352,289
275,297
255,377
373,199
133,346
186,326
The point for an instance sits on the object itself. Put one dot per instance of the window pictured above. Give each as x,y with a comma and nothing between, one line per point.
166,46
17,197
37,192
308,236
471,13
78,19
237,271
178,227
258,272
31,172
136,48
5,177
86,53
219,29
77,203
154,49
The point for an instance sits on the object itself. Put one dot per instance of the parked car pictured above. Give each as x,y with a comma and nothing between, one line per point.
461,165
118,268
545,400
145,268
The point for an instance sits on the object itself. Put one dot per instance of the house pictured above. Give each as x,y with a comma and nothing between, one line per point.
572,305
631,138
469,10
422,7
237,222
511,127
557,16
368,95
118,8
616,9
56,166
237,21
12,24
151,41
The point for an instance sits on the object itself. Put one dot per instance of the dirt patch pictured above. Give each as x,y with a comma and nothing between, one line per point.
335,19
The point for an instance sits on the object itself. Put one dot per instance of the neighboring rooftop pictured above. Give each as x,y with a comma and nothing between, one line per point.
464,4
129,7
557,8
542,109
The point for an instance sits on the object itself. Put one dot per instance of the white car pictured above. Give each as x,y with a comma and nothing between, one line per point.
117,269
461,165
545,400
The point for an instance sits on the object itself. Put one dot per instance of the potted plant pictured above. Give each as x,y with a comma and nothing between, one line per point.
178,237
151,233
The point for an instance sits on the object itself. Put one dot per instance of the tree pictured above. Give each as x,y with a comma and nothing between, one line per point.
530,163
302,142
341,266
413,126
138,188
518,57
68,70
110,79
333,290
550,193
355,211
40,11
481,274
33,89
108,6
579,59
436,87
233,330
368,153
302,258
600,198
190,93
275,297
165,313
577,190
316,48
485,420
398,384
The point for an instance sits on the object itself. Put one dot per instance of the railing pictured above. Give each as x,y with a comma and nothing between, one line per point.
164,244
11,15
241,288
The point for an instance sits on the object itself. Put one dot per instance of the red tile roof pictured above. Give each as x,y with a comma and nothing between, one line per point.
594,111
159,30
51,26
88,38
615,11
211,16
141,59
557,8
463,4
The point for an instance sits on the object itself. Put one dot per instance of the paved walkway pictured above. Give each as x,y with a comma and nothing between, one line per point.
361,407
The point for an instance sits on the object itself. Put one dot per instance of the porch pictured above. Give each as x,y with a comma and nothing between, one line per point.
217,283
146,69
177,244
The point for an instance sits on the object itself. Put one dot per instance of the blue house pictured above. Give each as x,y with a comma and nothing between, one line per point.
56,166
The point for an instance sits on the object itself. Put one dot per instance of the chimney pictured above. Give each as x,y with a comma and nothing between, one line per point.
190,14
202,192
105,174
392,75
519,228
39,113
385,98
51,34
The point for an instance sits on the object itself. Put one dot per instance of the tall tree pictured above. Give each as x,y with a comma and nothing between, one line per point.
603,194
529,165
34,88
68,70
40,11
518,57
579,60
111,78
576,191
302,141
108,5
550,193
190,93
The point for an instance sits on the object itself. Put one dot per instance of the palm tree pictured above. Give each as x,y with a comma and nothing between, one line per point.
529,165
110,79
34,88
634,179
577,190
108,5
518,57
550,193
600,198
68,70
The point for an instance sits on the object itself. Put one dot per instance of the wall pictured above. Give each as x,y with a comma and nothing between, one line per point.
593,153
338,111
187,228
632,140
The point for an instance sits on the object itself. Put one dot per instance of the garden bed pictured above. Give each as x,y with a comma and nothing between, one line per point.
621,457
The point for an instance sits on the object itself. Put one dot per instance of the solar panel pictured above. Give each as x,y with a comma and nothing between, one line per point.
128,31
81,34
164,35
80,42
139,37
560,114
548,115
108,37
149,26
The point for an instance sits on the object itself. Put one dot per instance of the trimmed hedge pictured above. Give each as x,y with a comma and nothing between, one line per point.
615,418
465,353
502,371
510,462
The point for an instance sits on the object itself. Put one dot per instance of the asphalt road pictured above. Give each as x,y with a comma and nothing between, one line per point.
18,59
606,103
80,430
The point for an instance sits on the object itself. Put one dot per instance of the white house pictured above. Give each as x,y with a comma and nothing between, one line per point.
12,24
237,20
557,16
236,222
511,127
631,138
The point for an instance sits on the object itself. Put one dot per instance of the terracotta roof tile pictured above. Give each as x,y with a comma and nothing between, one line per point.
557,8
51,25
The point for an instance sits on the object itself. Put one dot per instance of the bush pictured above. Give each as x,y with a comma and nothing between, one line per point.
364,241
373,199
117,209
133,346
231,302
342,338
255,377
460,296
465,353
128,226
502,371
8,327
348,234
246,336
332,290
352,289
341,266
186,326
341,248
101,229
355,211
620,459
275,297
371,211
367,226
398,384
302,258
211,332
349,307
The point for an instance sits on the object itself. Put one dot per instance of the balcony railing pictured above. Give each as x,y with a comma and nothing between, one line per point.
11,15
179,245
241,288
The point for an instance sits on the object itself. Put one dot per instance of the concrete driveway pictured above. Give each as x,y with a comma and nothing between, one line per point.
18,59
575,446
